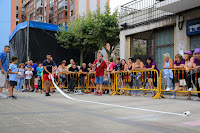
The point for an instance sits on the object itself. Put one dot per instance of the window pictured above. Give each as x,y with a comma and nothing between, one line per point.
71,13
66,15
16,7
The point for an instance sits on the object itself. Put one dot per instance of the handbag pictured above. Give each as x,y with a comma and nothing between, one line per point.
182,82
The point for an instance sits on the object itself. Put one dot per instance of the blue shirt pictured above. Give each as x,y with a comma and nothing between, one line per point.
13,68
3,56
117,67
39,71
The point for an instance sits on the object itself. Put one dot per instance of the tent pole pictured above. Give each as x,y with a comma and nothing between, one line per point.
28,37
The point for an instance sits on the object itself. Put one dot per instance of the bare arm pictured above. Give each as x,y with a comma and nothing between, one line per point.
191,62
179,67
171,63
164,65
12,72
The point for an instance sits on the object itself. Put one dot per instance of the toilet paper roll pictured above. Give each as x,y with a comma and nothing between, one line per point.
186,113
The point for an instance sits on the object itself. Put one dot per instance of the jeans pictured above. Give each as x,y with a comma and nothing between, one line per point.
135,86
168,82
19,84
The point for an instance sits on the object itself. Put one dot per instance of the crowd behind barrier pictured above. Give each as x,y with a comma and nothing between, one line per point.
132,78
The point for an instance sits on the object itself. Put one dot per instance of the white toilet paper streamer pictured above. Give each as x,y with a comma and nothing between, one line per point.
149,110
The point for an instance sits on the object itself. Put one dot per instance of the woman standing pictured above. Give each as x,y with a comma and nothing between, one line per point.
123,68
189,60
168,66
62,70
139,66
178,64
131,67
152,75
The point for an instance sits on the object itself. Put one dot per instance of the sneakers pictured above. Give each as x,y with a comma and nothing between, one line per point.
3,95
173,97
47,94
140,88
197,99
168,89
190,89
12,97
100,94
7,90
95,93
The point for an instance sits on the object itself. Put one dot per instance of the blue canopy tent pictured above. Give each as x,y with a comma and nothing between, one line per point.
42,41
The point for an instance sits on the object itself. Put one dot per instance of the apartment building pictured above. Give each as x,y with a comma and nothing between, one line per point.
51,11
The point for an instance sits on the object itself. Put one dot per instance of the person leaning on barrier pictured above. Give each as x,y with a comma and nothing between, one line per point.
131,67
152,75
189,60
167,72
83,80
62,70
179,75
111,76
196,73
123,74
140,77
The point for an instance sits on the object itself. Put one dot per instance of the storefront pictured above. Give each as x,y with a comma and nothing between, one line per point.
193,31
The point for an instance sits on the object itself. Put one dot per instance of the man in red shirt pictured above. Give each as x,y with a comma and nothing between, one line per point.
100,66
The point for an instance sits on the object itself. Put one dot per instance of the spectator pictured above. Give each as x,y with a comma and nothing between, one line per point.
71,63
39,70
168,66
117,65
111,76
62,70
178,64
196,74
3,69
73,77
83,79
48,65
13,76
131,68
7,82
34,65
124,76
28,81
152,75
100,66
189,60
140,77
89,66
36,82
21,76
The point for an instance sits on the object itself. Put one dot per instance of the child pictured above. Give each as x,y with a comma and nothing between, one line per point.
28,77
36,81
13,71
21,76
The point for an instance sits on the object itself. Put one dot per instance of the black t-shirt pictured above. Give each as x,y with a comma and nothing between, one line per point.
73,70
48,66
84,70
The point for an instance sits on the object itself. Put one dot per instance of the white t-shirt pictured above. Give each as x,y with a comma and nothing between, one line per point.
28,74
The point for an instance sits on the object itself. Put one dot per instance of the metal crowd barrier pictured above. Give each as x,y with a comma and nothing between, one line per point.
180,74
128,81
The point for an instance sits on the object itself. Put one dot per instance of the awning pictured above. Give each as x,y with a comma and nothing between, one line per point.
38,25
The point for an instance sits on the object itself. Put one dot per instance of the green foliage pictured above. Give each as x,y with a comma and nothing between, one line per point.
91,32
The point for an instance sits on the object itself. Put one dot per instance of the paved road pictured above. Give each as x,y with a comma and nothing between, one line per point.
35,113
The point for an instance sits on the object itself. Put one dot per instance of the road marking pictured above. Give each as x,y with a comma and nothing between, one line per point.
113,105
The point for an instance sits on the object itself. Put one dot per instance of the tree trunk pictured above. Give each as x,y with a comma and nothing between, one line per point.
81,57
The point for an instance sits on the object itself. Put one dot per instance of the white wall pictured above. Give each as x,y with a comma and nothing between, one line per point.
93,5
82,7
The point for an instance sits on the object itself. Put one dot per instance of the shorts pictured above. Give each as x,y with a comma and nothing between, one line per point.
28,81
99,80
46,77
3,78
35,86
13,83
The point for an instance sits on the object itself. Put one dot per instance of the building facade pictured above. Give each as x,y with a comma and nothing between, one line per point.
154,27
51,11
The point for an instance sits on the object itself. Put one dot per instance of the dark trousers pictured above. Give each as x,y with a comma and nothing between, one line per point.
195,81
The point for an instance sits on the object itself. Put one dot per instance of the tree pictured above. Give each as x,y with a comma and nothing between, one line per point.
78,35
91,32
108,29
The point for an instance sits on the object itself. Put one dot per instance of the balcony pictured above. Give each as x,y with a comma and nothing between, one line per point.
176,6
139,12
63,5
39,4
